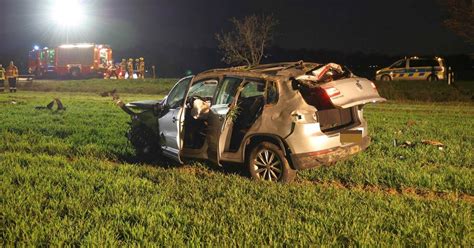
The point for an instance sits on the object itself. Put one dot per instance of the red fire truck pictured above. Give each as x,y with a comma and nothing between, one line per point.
70,60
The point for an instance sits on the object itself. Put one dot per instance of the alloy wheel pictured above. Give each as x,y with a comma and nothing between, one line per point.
268,166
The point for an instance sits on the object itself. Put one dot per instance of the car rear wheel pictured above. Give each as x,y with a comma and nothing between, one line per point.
432,78
386,78
268,163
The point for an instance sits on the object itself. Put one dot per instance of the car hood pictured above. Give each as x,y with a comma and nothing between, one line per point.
145,104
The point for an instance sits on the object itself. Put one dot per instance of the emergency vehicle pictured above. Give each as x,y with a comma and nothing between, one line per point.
70,60
414,68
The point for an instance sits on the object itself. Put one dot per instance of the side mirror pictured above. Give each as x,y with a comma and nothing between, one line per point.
160,109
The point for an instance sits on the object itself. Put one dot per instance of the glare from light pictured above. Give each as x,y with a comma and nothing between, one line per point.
67,13
80,45
36,47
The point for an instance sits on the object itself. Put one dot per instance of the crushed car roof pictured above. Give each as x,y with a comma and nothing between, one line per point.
285,69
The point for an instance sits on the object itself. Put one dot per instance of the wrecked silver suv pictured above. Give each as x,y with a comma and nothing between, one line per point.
275,118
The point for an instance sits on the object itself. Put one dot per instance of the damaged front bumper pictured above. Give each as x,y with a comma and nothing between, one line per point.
309,160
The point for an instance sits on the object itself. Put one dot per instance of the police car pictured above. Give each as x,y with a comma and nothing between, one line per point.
414,68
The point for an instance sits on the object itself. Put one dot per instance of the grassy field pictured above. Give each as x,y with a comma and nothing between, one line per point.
399,90
69,178
147,86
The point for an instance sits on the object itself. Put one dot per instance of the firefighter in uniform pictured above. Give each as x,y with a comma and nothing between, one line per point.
112,71
123,68
141,68
2,78
137,67
130,68
12,74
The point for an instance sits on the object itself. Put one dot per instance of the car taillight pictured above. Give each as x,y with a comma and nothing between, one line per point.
332,92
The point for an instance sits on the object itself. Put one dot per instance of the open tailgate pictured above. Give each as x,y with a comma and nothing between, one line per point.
349,92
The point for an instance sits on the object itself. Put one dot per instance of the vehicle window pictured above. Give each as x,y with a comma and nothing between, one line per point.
176,96
227,90
399,64
103,56
423,63
204,88
253,88
51,54
272,93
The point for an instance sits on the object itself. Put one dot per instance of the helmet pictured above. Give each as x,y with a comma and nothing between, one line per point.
130,59
123,60
137,60
141,58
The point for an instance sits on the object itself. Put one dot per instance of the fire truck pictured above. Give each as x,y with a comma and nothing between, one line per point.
70,60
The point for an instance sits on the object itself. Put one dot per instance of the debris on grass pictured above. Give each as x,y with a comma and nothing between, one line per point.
436,143
409,144
405,144
112,93
51,105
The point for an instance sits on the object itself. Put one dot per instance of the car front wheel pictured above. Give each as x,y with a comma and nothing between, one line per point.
268,163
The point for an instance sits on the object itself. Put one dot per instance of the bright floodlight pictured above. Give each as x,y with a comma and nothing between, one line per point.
67,13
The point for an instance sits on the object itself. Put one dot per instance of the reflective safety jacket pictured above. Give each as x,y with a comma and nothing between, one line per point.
2,73
12,71
141,66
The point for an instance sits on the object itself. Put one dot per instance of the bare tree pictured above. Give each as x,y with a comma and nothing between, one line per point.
246,43
460,17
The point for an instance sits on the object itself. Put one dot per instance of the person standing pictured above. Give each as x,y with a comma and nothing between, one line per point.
112,70
141,68
123,68
130,68
12,75
2,78
137,67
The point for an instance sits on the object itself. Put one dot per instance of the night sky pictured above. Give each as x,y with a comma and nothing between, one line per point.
387,27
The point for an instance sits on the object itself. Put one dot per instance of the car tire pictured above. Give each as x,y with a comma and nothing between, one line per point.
386,78
432,78
145,142
267,162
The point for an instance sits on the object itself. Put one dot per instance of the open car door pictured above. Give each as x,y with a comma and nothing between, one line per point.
171,123
337,83
349,92
218,113
244,108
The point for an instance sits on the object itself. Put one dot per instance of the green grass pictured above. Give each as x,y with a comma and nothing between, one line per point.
423,91
147,86
68,178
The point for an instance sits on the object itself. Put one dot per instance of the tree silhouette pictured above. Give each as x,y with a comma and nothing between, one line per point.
247,42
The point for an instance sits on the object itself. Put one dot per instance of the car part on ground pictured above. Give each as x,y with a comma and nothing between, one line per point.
51,105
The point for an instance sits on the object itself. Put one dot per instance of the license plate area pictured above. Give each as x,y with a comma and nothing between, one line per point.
351,136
